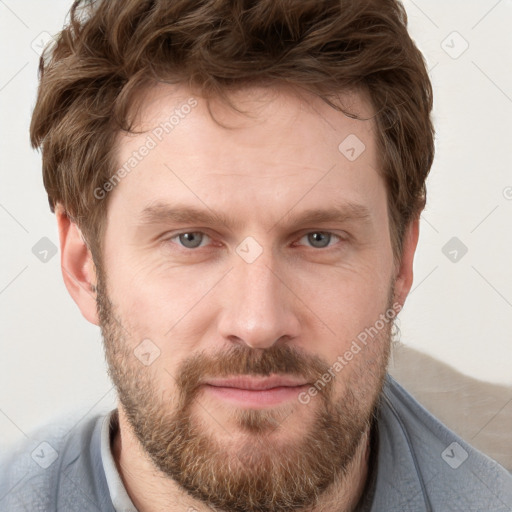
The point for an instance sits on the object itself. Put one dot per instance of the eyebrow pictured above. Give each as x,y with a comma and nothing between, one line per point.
161,213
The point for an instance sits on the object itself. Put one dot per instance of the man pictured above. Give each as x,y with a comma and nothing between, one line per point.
237,188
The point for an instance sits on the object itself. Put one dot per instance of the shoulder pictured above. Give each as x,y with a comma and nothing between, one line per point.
449,471
57,468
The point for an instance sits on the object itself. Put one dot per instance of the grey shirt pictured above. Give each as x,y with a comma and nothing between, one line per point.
417,465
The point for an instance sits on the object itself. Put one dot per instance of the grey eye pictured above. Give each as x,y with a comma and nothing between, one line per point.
191,240
319,238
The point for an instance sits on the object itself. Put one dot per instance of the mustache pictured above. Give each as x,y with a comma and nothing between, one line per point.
243,360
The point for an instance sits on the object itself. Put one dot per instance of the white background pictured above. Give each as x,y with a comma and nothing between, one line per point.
51,358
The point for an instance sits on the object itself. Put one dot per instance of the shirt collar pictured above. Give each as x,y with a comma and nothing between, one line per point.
118,493
400,484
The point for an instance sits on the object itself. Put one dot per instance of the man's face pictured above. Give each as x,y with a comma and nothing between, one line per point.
272,291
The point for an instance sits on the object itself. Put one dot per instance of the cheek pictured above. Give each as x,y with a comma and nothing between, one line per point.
345,305
146,300
167,312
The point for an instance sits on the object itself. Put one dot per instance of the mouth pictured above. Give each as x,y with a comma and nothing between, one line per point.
255,392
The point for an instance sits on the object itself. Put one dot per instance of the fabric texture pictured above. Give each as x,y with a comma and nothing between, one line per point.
417,464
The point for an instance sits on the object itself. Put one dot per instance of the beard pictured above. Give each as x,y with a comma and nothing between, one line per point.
261,469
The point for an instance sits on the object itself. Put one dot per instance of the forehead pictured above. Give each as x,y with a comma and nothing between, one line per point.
286,150
252,103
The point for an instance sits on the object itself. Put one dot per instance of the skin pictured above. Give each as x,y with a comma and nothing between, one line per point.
262,171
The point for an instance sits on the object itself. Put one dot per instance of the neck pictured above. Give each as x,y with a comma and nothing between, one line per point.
151,491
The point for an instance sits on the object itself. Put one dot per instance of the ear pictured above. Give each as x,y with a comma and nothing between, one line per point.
404,272
78,269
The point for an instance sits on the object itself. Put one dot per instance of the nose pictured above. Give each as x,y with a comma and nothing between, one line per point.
258,305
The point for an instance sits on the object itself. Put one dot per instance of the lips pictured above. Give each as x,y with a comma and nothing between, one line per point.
251,383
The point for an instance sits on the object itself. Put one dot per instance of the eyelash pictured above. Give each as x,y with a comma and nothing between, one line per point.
176,235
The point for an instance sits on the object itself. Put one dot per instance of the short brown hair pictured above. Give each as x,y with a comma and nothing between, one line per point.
112,48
